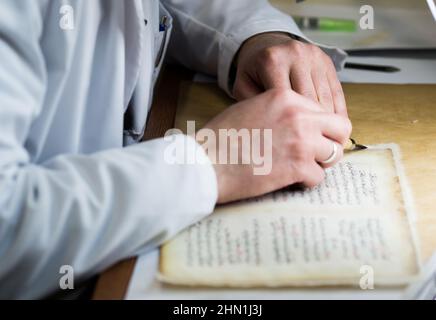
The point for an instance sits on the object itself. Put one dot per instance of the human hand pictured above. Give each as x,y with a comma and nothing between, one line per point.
302,138
275,60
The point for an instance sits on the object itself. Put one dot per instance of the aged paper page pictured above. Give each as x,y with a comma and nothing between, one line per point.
325,236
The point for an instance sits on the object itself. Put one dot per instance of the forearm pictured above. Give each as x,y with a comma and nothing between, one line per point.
91,211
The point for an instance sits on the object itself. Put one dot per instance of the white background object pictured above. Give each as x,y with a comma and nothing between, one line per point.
432,6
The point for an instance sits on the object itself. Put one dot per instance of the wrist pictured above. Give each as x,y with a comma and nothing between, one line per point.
222,174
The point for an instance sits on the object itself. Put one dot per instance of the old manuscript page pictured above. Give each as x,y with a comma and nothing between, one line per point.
355,222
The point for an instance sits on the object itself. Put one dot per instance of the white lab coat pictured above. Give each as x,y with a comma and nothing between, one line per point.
71,191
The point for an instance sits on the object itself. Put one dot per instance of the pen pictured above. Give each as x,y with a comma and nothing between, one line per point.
351,145
371,67
163,24
163,27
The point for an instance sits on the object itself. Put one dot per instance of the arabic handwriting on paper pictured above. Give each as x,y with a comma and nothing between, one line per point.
284,240
344,185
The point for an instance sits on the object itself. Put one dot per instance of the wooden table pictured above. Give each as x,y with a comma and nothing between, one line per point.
380,113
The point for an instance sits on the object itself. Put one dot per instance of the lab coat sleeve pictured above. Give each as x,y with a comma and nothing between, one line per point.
83,211
211,33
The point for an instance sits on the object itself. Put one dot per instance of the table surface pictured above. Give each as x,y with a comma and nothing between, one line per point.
404,114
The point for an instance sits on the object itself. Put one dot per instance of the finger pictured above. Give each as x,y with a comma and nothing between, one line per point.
274,69
339,102
322,87
312,175
276,77
297,99
333,126
301,82
328,152
245,88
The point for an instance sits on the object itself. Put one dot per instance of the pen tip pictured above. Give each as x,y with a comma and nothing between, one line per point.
360,147
353,146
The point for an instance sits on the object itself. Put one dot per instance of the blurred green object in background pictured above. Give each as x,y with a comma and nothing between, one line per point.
326,24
